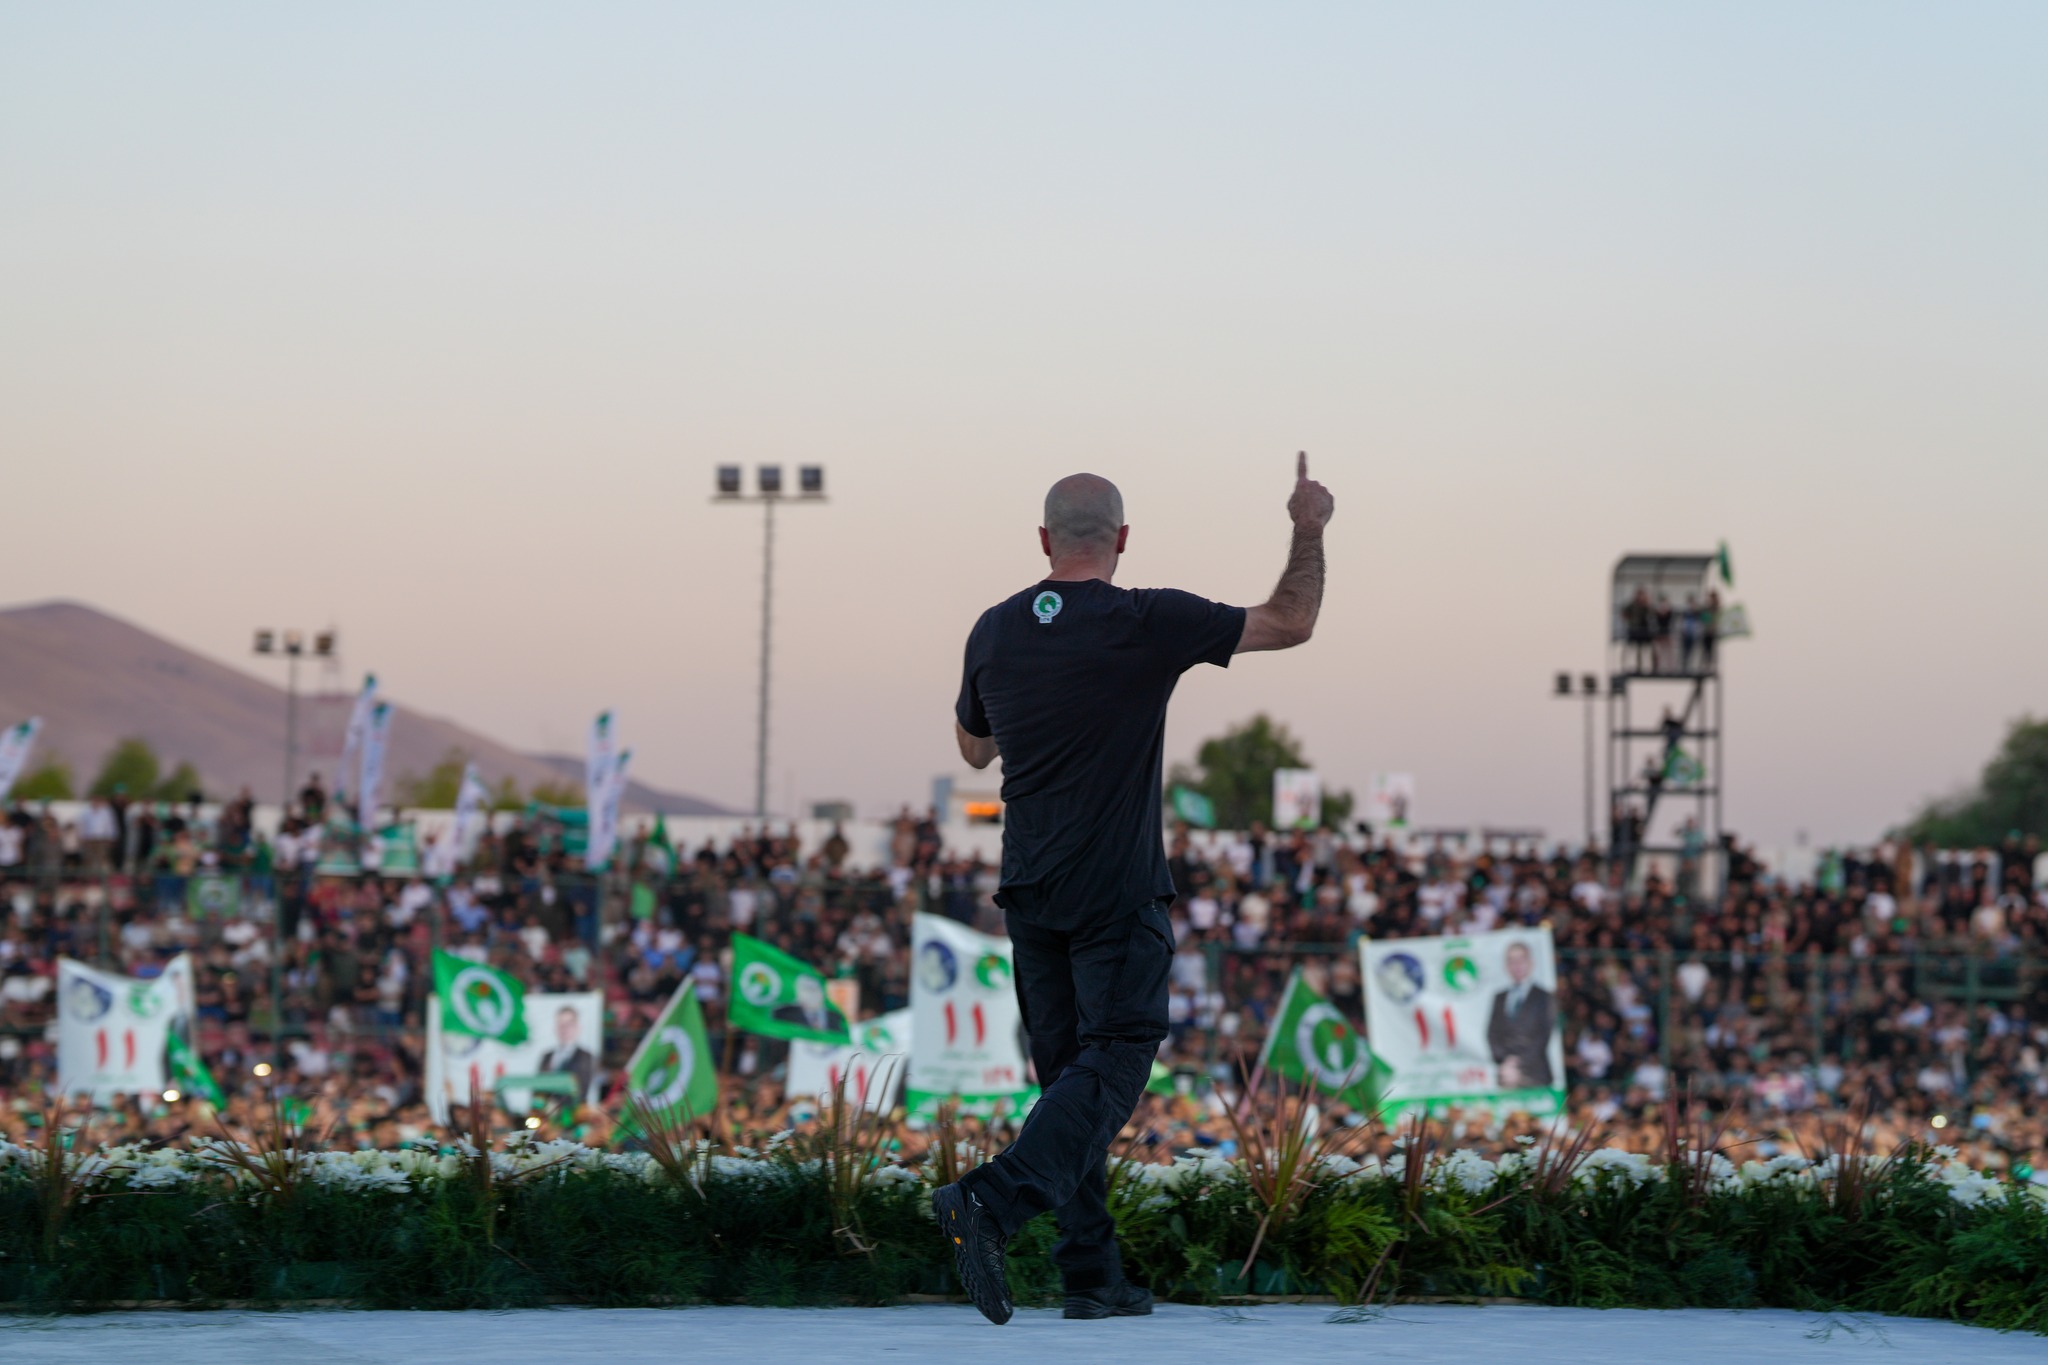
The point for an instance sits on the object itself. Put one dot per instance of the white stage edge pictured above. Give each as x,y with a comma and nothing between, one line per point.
1413,1335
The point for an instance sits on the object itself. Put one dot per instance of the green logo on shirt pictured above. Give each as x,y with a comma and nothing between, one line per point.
1046,606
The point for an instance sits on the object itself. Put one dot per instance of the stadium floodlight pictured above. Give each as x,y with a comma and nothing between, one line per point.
768,486
1589,689
292,645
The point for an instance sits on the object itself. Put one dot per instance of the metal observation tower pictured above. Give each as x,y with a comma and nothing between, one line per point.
1667,621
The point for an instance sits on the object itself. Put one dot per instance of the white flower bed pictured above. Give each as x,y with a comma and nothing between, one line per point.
1197,1174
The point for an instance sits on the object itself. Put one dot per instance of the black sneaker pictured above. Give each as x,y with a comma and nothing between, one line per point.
1121,1300
978,1250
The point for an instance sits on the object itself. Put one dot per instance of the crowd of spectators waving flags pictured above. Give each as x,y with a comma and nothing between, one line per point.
1902,974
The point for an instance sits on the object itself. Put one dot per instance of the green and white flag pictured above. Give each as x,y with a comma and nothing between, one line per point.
213,895
15,743
479,1001
1194,808
1310,1041
672,1072
659,853
189,1074
775,995
1681,769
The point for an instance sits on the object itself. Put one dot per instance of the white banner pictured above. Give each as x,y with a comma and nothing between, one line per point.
1389,804
600,756
111,1029
15,746
458,843
358,729
871,1070
1297,798
376,740
604,815
1466,1022
564,1034
964,1023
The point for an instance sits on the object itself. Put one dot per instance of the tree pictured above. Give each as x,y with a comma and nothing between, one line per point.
558,793
51,782
182,785
2011,796
131,769
1237,774
134,770
440,788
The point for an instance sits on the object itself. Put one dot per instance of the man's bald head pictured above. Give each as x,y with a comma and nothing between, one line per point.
1083,513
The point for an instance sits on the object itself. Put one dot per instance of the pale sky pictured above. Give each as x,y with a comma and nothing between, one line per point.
432,321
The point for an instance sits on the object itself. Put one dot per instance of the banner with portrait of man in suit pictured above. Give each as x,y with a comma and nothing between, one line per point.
1466,1022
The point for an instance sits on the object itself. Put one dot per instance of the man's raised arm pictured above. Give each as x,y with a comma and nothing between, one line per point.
1288,617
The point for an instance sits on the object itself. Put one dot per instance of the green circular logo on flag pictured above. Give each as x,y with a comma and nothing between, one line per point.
760,984
668,1080
993,971
1046,605
1461,973
1329,1047
876,1038
480,1001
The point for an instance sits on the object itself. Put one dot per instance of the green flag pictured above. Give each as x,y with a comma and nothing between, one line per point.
672,1072
643,902
1310,1041
776,995
1725,565
1161,1082
212,894
189,1073
1681,769
479,1001
1193,807
660,853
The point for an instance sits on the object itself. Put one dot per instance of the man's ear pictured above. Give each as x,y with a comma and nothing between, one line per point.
1045,541
1123,533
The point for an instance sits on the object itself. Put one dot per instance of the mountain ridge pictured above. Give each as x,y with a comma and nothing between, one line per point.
96,679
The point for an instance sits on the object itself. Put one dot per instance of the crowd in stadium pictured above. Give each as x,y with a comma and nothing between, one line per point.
1904,976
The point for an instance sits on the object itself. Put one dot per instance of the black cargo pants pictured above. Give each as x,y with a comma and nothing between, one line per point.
1094,1005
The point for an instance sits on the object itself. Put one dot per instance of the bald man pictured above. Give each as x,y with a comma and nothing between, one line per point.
1068,682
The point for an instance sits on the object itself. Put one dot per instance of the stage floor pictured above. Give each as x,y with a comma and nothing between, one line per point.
1413,1335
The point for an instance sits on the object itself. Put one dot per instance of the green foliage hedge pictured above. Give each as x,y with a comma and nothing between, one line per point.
556,1222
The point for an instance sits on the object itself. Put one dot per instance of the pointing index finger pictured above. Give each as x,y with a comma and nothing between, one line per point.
1301,466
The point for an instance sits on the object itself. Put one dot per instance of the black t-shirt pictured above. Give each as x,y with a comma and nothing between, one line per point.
1072,680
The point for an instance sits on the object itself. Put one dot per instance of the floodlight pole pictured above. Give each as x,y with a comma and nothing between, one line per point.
1590,694
291,725
767,622
291,644
1589,688
769,486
